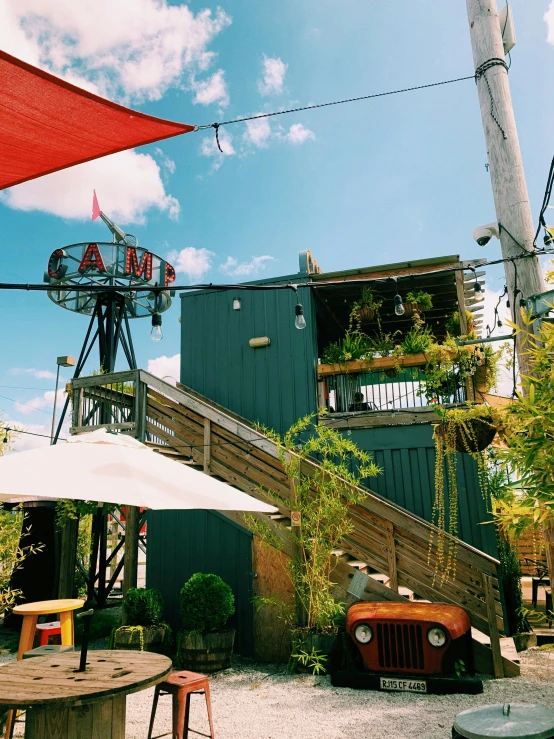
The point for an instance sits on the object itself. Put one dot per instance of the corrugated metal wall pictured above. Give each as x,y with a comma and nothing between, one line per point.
181,543
407,456
274,385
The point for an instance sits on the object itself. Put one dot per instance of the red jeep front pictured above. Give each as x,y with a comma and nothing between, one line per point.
390,641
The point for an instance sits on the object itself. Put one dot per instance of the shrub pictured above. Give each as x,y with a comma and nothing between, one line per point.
207,603
143,607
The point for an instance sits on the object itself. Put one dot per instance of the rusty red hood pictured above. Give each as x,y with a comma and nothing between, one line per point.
453,618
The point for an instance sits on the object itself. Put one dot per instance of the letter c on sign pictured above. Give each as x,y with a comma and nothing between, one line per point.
55,263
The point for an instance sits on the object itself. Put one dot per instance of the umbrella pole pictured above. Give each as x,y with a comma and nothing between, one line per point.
130,556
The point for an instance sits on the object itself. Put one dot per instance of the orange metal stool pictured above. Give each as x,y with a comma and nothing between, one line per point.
181,685
45,631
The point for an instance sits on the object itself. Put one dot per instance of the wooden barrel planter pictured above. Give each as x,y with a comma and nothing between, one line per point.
206,653
482,435
140,638
306,642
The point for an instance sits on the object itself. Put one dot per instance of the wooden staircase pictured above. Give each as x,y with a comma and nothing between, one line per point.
388,541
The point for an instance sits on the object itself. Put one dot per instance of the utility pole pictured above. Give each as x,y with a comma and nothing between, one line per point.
513,211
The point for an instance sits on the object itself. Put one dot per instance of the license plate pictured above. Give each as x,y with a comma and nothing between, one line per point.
411,686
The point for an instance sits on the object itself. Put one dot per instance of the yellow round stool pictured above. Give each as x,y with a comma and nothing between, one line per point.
31,612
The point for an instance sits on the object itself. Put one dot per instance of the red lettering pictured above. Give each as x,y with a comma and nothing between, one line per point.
169,274
55,262
92,258
132,266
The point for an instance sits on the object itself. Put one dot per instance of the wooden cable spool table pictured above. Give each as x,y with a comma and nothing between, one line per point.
64,703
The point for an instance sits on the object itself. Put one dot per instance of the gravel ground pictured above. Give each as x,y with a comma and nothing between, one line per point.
251,703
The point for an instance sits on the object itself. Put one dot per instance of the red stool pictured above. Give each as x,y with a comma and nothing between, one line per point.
45,631
181,685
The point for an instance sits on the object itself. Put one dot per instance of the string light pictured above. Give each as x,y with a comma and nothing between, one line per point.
398,304
299,321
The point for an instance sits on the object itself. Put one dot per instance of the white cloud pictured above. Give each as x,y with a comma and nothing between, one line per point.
258,132
46,400
257,264
39,374
129,49
549,20
164,161
192,262
168,368
212,90
274,70
127,185
298,134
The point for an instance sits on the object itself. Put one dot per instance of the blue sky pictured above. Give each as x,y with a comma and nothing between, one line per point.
379,181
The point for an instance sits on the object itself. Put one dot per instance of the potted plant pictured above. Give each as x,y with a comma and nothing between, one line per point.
321,496
367,308
417,301
206,643
469,429
144,629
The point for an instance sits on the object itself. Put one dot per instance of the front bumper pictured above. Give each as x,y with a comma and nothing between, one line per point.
436,685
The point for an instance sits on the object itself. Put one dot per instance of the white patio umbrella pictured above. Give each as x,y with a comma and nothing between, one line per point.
113,468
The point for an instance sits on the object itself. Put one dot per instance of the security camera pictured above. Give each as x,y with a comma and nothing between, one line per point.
483,234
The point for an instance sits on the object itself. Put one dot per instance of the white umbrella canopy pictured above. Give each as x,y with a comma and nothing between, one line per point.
113,468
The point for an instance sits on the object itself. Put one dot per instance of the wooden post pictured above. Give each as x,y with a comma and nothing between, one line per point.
493,627
130,556
68,557
391,556
511,199
207,445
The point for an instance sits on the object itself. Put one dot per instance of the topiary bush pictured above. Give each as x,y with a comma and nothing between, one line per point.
143,607
207,603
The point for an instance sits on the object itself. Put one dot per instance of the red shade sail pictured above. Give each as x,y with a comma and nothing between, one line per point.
47,124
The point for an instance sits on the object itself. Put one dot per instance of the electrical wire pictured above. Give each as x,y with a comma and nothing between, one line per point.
497,321
19,402
335,102
546,200
33,287
29,433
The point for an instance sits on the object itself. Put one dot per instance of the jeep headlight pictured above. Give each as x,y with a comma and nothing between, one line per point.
363,633
436,637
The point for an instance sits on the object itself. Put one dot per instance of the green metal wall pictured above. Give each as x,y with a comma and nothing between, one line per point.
181,543
273,385
407,456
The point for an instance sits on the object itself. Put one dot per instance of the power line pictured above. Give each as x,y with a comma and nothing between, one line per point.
12,400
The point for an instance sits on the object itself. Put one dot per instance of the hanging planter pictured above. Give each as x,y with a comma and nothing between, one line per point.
417,301
469,430
366,310
475,435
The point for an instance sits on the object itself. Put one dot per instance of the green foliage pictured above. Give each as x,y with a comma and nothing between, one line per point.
418,340
423,299
511,586
314,660
453,327
207,603
460,668
12,555
456,426
143,607
322,495
354,345
369,304
530,425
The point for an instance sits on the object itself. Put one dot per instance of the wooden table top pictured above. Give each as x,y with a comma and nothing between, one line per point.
42,607
54,680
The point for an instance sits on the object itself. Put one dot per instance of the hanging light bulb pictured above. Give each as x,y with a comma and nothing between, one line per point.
156,333
299,321
476,287
398,305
